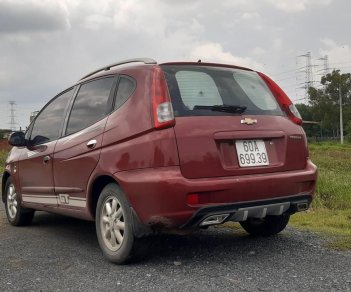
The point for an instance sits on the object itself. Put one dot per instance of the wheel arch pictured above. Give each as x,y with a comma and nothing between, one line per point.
95,189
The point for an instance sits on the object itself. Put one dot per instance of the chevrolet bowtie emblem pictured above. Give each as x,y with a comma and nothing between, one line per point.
249,121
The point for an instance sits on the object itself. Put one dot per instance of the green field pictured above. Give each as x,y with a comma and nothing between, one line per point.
334,180
330,214
3,155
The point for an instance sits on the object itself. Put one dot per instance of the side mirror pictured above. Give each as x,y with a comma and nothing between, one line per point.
17,139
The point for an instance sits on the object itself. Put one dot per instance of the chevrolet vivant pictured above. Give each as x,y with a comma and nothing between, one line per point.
140,147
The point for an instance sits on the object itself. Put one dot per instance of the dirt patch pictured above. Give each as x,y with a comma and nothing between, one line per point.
4,145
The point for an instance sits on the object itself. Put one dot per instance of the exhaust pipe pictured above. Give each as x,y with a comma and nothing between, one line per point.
301,206
214,219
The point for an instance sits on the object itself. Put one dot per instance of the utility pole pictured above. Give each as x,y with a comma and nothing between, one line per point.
325,70
308,72
341,122
325,60
12,116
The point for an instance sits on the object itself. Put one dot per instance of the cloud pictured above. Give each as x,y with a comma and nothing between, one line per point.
257,51
131,16
292,6
152,18
213,52
32,16
249,15
277,44
46,45
95,22
339,55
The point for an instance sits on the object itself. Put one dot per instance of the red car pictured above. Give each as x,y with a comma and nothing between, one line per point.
140,147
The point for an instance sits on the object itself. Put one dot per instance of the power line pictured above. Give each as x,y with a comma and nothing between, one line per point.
340,67
302,98
326,69
294,70
345,62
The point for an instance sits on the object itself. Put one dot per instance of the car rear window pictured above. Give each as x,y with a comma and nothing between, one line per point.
194,87
197,87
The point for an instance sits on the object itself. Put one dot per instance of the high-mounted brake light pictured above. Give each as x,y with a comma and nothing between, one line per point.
161,102
283,100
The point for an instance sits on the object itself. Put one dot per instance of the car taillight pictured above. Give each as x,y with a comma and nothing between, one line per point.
192,199
282,99
161,102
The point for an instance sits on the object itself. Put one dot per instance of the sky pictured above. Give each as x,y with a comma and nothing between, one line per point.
47,45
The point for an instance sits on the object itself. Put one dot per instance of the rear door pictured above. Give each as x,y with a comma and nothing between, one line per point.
35,165
228,123
77,153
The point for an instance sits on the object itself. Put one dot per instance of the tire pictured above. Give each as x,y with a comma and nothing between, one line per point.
16,214
114,225
267,226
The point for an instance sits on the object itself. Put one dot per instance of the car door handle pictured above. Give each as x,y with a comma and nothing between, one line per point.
91,143
46,159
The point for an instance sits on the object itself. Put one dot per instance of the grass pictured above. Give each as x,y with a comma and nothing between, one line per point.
331,209
334,180
3,155
334,225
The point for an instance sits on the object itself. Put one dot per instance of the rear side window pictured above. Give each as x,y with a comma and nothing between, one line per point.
195,90
90,105
126,87
48,123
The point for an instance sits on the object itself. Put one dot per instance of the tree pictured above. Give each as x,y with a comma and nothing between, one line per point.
306,112
348,131
324,103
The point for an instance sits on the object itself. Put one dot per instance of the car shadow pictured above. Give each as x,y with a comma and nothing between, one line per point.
215,242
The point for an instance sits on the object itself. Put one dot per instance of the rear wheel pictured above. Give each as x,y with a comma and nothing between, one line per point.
267,226
16,214
114,227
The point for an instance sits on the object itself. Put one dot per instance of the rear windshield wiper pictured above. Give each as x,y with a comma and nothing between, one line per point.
237,109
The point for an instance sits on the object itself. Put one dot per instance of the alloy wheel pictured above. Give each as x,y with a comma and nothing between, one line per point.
12,201
112,223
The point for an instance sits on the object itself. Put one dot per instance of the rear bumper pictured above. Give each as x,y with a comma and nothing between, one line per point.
159,196
256,209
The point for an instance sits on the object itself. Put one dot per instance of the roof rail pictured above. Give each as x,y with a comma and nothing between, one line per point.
142,60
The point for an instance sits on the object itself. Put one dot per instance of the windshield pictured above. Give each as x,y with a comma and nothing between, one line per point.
201,90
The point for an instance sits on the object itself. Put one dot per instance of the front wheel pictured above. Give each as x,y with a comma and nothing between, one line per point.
114,227
267,226
16,214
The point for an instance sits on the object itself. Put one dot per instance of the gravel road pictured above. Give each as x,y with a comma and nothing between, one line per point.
59,254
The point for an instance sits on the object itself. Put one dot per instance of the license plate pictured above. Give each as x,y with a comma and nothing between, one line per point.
251,153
